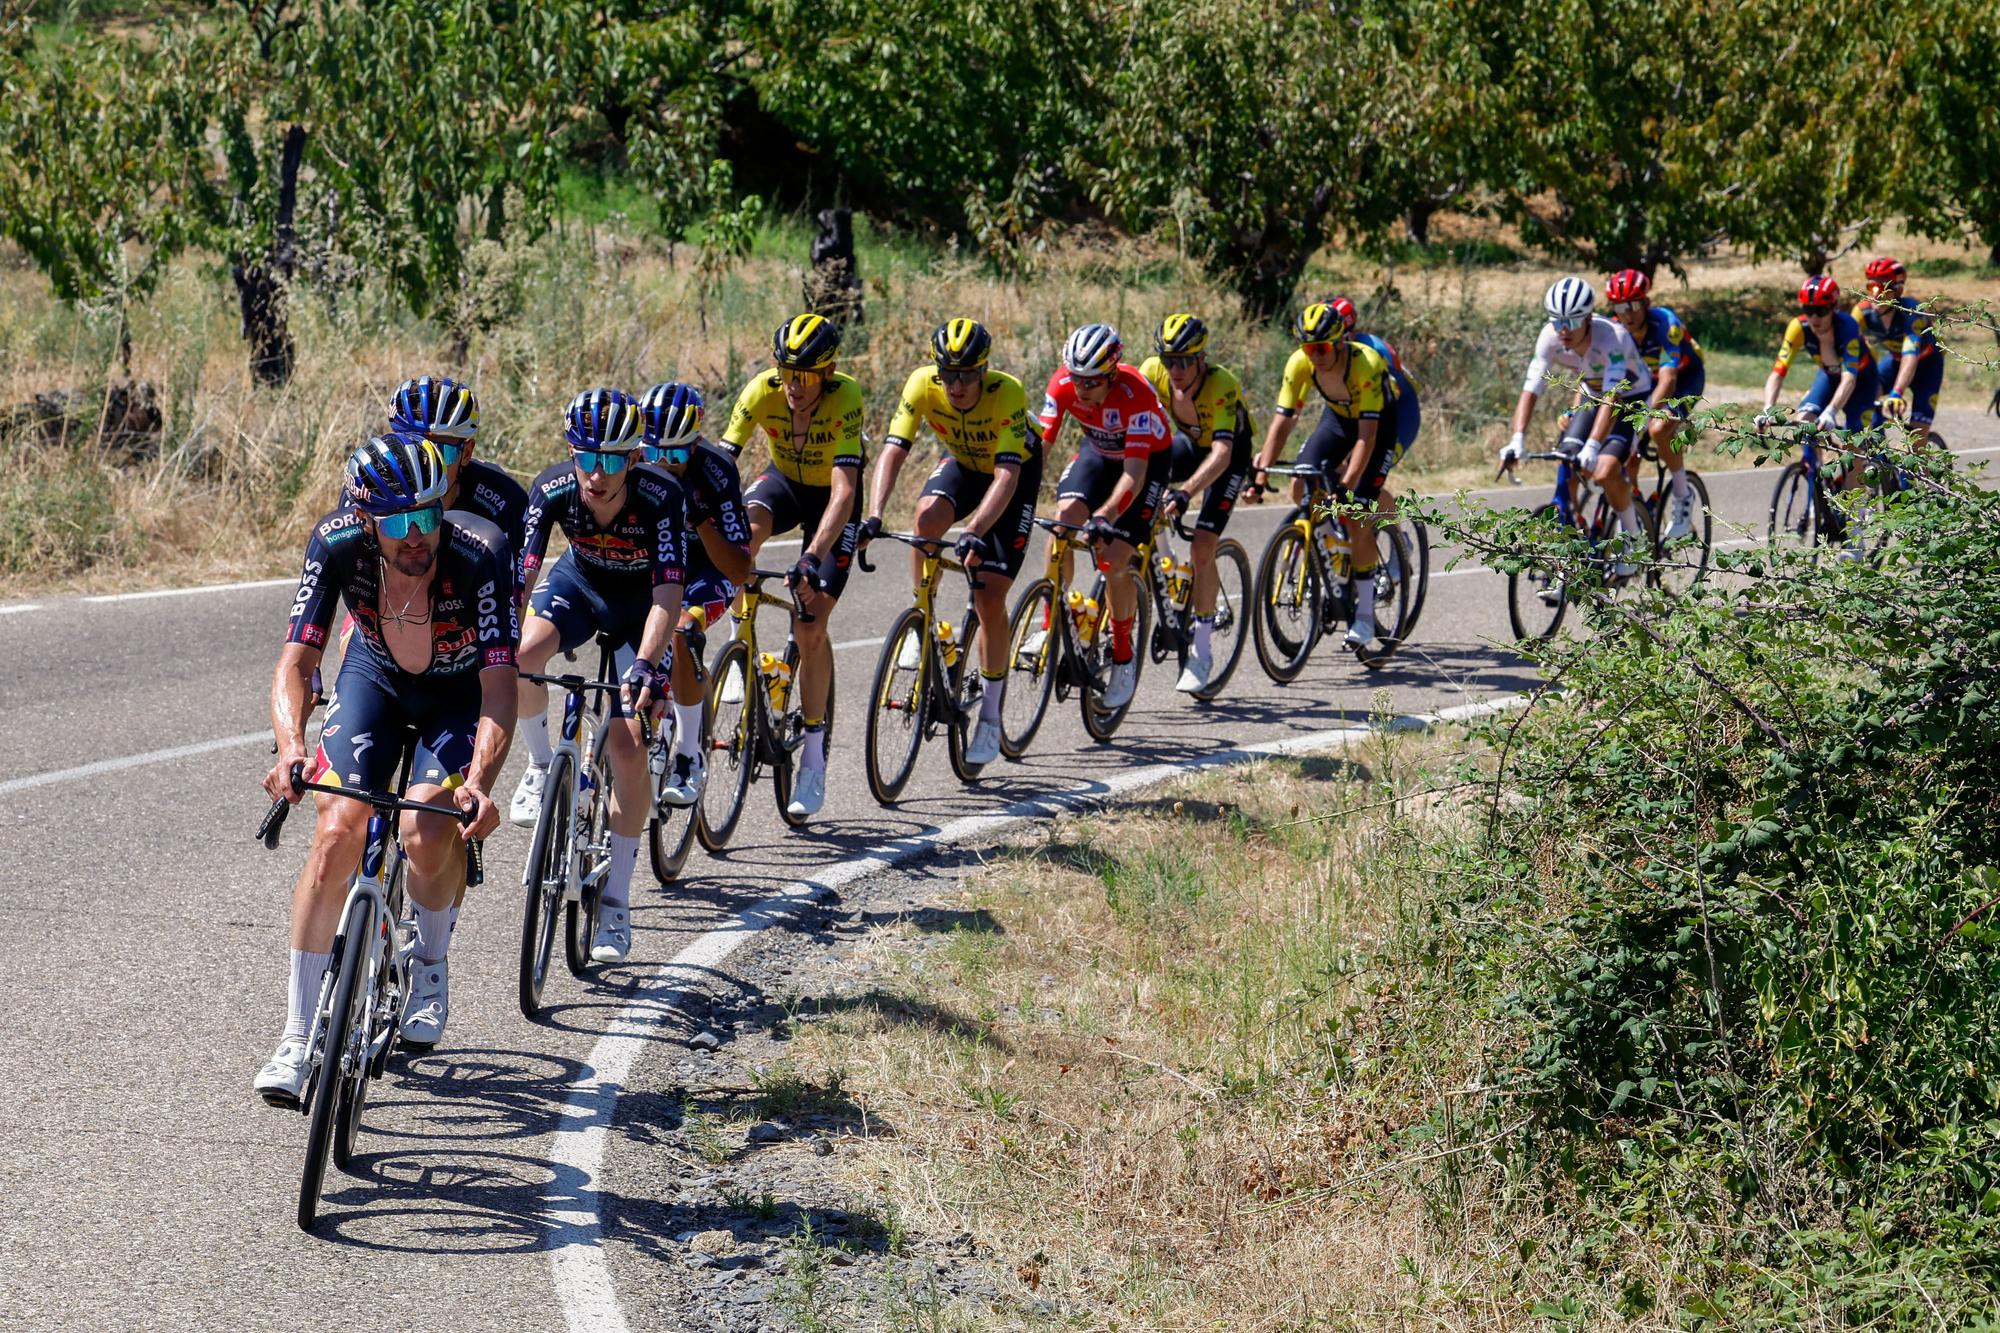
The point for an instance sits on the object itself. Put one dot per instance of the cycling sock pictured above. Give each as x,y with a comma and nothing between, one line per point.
1628,517
1121,640
814,750
617,891
536,731
687,728
433,931
1203,626
1678,478
303,992
990,697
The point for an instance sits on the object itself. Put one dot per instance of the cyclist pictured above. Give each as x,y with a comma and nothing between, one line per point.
1910,364
433,654
1356,439
1210,457
1613,375
1679,378
718,561
1119,474
811,419
990,477
1842,394
446,413
621,576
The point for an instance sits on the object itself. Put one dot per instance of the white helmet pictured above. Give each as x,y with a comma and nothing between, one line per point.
1093,349
1570,298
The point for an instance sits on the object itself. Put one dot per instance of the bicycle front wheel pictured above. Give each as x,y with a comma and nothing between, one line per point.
1795,510
338,1051
897,704
1286,625
732,745
591,831
1233,600
1392,596
1538,594
964,687
1683,562
1102,723
542,880
1035,652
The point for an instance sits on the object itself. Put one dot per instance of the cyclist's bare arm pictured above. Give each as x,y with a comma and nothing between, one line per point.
1524,412
732,560
840,501
1365,432
291,691
1274,439
1211,467
887,468
1127,489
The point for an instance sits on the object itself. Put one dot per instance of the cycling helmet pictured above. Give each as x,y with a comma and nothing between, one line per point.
1093,349
1883,270
1628,284
1819,292
1324,321
1569,298
436,407
602,419
395,472
1181,335
670,416
805,342
960,344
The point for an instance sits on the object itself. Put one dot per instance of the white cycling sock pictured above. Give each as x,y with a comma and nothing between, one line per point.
617,891
303,992
687,728
1203,626
1678,479
1628,517
535,730
813,752
995,690
1364,599
433,931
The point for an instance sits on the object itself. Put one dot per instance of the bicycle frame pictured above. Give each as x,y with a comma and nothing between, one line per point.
933,563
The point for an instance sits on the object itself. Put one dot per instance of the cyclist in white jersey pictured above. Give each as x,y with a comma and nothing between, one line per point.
1602,354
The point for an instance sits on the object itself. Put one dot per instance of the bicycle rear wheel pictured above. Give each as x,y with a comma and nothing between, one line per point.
1392,596
592,826
1032,665
670,831
1286,625
1538,594
337,1051
965,686
1682,563
1233,600
1795,510
1102,723
732,745
1416,547
542,880
898,705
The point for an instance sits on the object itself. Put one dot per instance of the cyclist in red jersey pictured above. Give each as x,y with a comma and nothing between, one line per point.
1114,485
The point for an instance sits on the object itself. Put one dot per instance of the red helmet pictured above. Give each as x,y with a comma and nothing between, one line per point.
1885,269
1345,309
1628,284
1819,292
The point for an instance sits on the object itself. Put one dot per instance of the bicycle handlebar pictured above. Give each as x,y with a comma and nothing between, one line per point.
933,547
757,576
273,826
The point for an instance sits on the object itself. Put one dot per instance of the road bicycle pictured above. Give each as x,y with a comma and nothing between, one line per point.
1804,512
1539,593
1305,588
1170,583
367,978
756,718
1060,643
926,678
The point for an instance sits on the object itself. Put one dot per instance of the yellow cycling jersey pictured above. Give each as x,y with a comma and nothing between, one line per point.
832,439
1369,386
1216,403
995,430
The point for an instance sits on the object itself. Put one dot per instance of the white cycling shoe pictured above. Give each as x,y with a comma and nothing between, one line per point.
283,1077
1194,676
612,940
808,792
732,686
1681,523
526,807
984,747
1124,683
1031,648
429,1004
684,780
906,656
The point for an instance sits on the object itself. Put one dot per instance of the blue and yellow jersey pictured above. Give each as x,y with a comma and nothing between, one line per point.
1217,400
832,437
1899,328
1368,384
1848,350
994,430
1667,344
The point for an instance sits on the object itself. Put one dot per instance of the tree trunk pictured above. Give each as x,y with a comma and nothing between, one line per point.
1417,223
262,284
833,284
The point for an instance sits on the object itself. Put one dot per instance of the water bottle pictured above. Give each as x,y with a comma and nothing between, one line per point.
777,676
947,639
1086,630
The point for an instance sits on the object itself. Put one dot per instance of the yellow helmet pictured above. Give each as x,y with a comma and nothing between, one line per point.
961,344
805,342
1181,335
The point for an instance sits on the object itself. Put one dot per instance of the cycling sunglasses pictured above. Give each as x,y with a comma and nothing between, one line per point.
1179,362
661,454
1628,307
449,450
610,462
1816,312
397,527
1318,348
1569,325
961,376
786,375
1089,381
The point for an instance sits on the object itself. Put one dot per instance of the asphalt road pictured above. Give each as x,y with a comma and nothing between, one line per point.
142,968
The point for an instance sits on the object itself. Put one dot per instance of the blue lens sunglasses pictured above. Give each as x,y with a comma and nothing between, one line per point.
397,527
608,461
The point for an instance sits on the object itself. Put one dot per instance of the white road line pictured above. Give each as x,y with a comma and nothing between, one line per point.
13,785
188,592
20,606
584,1289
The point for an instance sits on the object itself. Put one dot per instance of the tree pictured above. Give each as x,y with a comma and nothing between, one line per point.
1946,106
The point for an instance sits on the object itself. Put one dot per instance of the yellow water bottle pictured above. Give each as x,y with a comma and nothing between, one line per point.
947,643
777,679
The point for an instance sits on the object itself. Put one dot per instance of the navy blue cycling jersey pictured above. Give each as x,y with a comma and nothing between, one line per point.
473,619
642,547
486,490
715,493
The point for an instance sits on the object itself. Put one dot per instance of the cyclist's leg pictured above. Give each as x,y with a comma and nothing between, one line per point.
1216,507
1331,437
815,683
1924,388
710,594
1085,484
446,726
1008,539
950,493
556,622
1133,527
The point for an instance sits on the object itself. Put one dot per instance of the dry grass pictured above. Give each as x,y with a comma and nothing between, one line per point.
1155,1026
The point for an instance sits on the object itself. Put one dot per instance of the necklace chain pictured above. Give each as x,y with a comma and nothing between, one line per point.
403,617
